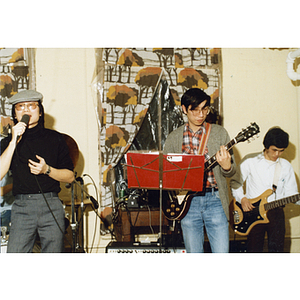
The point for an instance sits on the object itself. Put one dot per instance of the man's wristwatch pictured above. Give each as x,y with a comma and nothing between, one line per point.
48,171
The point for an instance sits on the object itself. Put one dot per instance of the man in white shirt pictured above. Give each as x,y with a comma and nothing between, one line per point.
262,171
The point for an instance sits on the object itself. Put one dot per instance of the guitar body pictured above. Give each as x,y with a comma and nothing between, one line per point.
175,205
242,222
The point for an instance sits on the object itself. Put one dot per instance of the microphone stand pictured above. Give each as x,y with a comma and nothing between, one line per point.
81,212
73,223
81,208
94,203
160,164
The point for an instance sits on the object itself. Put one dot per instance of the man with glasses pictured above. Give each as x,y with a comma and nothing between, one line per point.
210,207
39,160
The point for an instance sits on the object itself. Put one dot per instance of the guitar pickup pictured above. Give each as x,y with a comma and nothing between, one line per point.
236,216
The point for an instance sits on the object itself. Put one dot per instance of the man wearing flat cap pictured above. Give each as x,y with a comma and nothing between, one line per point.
39,160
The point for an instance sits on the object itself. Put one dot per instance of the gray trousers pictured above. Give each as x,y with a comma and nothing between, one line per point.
30,215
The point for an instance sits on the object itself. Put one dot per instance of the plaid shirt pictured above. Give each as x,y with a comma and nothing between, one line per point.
190,145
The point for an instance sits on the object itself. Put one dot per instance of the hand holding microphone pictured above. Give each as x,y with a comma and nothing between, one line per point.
21,126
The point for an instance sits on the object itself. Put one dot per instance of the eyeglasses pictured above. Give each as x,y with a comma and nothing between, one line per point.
30,106
204,111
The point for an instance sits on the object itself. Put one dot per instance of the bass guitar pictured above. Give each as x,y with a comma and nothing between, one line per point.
177,203
242,222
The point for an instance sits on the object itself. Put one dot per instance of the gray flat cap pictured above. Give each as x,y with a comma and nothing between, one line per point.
25,96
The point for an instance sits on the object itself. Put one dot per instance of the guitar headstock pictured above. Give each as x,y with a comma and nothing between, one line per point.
247,133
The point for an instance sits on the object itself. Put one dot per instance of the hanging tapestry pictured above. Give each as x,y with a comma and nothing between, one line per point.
127,85
16,74
14,77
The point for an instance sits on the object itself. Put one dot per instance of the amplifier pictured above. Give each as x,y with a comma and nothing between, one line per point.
128,247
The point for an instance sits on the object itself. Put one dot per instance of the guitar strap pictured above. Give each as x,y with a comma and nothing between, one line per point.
276,175
204,139
202,146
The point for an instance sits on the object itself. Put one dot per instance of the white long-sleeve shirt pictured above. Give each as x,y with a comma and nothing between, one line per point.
258,173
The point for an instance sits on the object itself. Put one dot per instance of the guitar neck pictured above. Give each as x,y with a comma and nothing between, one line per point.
282,202
213,160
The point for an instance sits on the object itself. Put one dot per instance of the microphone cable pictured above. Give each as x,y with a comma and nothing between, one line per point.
51,211
104,221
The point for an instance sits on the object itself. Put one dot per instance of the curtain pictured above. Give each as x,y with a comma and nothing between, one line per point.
17,73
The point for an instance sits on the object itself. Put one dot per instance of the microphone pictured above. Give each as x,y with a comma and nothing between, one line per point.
94,201
80,180
25,119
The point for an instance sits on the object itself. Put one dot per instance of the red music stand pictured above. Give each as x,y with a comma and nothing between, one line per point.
179,171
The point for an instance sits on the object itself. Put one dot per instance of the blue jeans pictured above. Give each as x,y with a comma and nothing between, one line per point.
206,211
30,215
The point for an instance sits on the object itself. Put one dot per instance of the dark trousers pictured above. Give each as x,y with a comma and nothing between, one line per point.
275,232
30,215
